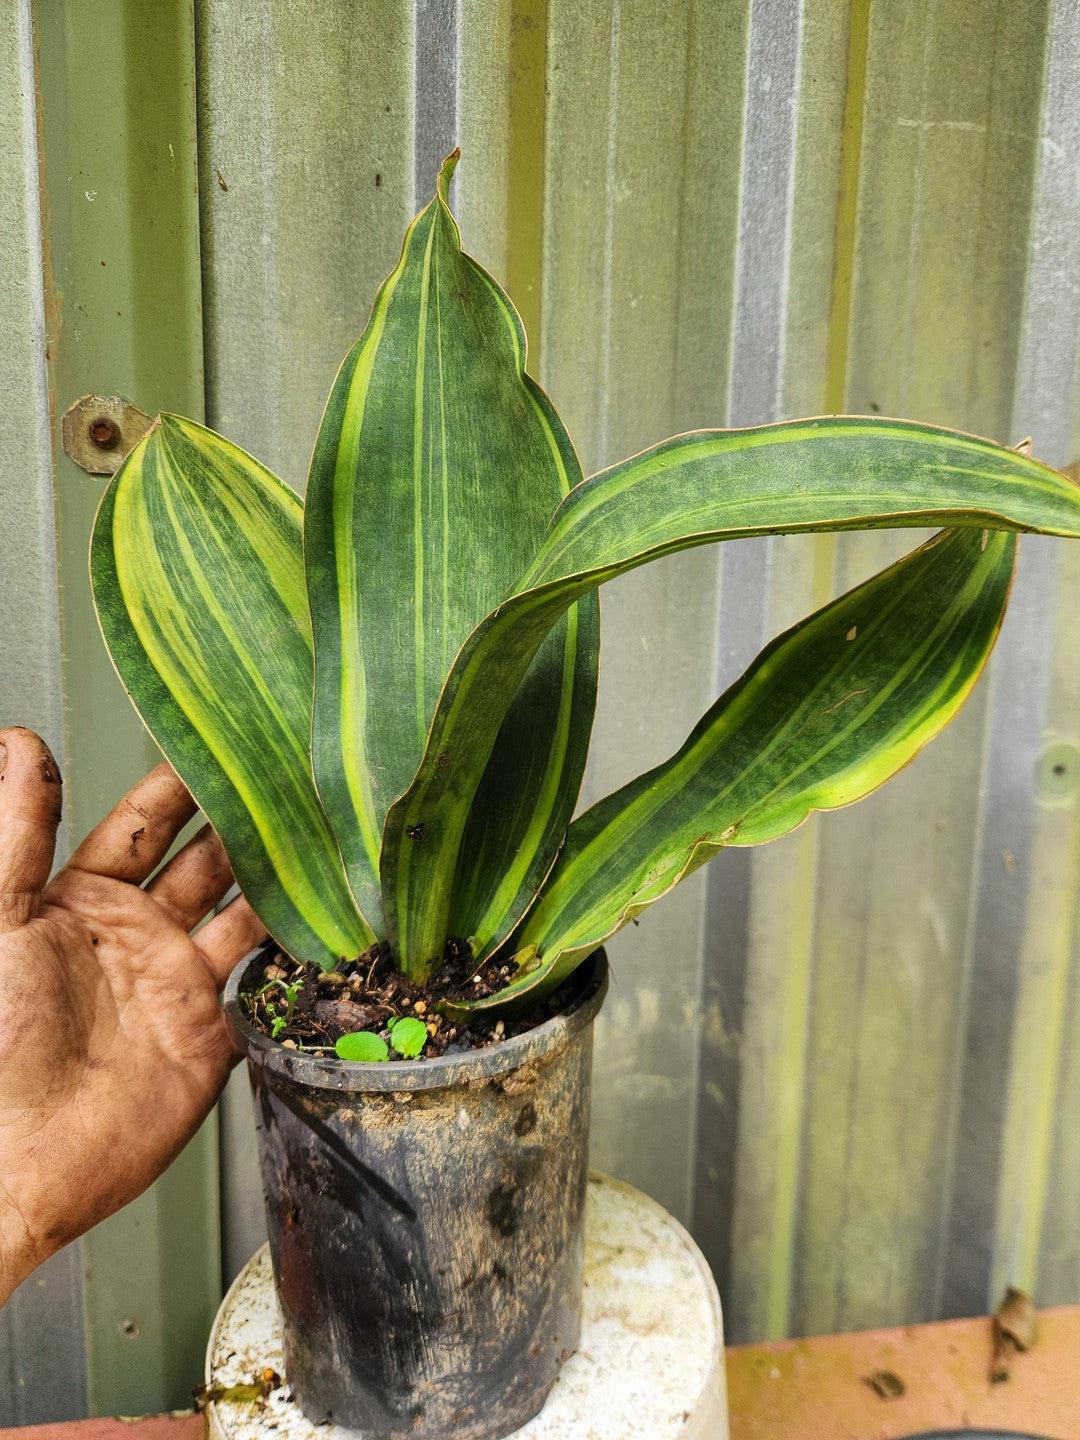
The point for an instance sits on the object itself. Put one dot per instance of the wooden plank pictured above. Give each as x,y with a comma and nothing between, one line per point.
811,1389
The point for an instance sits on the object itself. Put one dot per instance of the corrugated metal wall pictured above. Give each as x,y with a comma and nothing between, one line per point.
845,1060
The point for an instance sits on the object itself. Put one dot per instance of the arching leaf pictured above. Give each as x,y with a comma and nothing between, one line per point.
825,714
199,586
838,473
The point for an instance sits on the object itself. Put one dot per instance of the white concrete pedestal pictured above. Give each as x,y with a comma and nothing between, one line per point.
650,1361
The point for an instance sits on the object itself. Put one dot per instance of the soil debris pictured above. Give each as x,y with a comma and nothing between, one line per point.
886,1383
307,1009
1015,1328
260,1387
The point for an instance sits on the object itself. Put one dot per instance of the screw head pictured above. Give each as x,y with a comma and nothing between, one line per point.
99,431
105,433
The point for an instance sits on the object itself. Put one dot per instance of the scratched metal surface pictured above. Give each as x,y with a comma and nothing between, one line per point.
847,1060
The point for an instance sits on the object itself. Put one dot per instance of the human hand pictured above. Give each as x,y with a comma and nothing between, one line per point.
113,1046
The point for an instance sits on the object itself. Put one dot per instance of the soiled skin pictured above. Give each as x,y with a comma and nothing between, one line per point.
113,1047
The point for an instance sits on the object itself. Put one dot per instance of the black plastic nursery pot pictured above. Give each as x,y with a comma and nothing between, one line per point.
425,1222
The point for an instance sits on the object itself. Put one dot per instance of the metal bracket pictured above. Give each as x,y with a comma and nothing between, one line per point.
100,431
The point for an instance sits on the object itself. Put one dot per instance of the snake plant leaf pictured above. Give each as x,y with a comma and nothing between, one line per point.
838,473
198,577
526,798
437,468
825,714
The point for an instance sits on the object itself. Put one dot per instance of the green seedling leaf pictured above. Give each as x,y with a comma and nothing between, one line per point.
278,1025
362,1045
408,1036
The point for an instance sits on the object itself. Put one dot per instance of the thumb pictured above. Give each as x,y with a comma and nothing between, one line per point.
30,804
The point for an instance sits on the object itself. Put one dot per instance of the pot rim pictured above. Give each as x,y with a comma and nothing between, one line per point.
398,1076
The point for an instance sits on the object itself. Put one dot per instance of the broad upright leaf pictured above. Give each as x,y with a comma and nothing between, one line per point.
199,585
529,788
825,714
831,474
437,468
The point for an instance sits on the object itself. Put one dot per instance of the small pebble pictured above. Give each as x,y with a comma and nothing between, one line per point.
334,977
500,1029
406,1002
431,1027
288,1044
274,972
420,1007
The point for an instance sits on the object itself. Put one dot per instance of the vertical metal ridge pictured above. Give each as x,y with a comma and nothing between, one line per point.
847,206
31,612
42,1351
120,211
989,1150
527,190
766,981
611,140
307,181
765,203
438,46
753,207
1050,348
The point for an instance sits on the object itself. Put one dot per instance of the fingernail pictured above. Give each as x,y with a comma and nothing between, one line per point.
3,756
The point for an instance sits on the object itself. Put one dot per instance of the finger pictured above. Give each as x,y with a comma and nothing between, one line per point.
30,804
133,839
227,938
194,880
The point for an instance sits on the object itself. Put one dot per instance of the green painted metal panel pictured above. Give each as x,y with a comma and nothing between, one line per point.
116,96
306,162
1038,1214
847,1058
944,176
35,1379
640,232
736,213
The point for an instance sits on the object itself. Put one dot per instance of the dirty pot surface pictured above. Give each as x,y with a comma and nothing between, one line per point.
645,1366
425,1224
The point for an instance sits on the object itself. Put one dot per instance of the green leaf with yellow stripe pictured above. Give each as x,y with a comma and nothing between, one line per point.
825,714
197,568
437,468
838,473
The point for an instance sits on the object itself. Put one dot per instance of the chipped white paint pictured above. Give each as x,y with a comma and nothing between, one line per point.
649,1363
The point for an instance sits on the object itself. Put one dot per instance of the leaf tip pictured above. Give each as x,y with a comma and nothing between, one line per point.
446,174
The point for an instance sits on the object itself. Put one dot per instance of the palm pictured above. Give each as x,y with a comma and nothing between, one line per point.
113,1047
